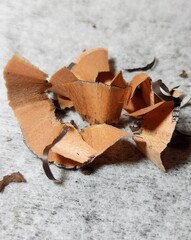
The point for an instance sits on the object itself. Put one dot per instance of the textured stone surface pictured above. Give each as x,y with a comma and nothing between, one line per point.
127,197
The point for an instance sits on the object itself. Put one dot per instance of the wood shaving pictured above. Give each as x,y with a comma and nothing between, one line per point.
13,177
99,96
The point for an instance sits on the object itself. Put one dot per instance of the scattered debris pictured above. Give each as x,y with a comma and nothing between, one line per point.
8,139
87,170
14,177
145,68
135,125
72,122
184,74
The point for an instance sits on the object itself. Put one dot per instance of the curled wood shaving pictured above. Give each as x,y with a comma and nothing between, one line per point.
158,110
157,128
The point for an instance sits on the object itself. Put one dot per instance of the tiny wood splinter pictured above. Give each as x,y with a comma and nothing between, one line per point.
98,96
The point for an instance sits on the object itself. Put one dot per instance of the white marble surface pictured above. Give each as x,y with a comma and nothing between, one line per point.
127,197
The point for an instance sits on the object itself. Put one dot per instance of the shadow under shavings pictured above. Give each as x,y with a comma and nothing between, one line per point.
61,113
177,152
188,104
174,156
123,122
123,152
112,65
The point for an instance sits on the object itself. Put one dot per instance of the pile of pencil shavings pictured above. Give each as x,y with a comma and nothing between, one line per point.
98,96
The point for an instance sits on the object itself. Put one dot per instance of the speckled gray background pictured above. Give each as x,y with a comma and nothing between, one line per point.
127,197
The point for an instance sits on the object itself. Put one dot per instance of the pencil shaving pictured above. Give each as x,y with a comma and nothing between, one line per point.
83,147
34,111
157,128
87,66
99,97
97,102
